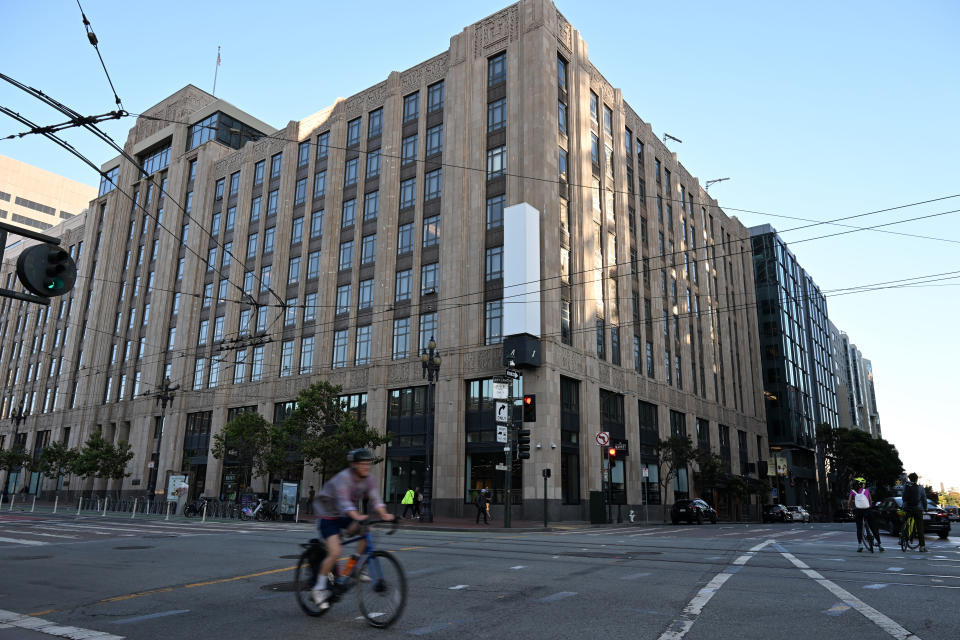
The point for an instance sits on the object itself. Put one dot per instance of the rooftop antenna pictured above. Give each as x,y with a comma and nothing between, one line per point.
710,182
674,138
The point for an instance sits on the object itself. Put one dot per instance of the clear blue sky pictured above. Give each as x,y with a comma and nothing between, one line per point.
813,110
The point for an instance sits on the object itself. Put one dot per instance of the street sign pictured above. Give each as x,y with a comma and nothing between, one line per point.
500,390
507,449
622,446
646,472
502,412
501,467
512,373
502,433
603,438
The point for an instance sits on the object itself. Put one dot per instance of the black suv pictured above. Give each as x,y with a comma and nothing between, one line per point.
935,520
692,511
776,513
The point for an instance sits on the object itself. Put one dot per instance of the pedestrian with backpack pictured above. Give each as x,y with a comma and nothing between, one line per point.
860,500
914,503
481,504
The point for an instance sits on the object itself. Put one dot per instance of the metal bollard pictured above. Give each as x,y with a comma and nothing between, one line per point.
79,504
56,499
104,505
133,514
296,518
13,498
168,511
34,505
1,500
204,518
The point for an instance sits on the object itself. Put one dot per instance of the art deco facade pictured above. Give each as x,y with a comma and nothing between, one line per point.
256,261
36,199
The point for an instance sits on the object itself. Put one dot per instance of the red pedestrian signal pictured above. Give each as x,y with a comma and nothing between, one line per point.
612,452
530,408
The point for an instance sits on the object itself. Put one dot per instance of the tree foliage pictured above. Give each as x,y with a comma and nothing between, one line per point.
326,431
55,460
253,442
13,459
852,453
673,453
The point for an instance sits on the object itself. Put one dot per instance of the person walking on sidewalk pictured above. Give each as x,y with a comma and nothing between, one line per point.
481,504
417,502
407,503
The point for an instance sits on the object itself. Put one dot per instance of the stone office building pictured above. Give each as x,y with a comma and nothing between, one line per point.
257,260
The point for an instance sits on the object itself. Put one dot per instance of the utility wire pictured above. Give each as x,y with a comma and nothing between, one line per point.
92,38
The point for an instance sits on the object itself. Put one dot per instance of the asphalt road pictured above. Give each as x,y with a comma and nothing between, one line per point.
107,577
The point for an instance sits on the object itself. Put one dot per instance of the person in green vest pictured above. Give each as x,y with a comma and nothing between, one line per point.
407,502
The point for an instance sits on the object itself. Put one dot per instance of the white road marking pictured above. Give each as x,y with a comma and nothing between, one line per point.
876,586
866,610
459,586
29,543
560,595
519,566
150,616
634,576
679,628
11,619
894,568
37,533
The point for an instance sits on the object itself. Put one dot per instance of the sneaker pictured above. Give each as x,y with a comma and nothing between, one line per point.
321,598
923,549
860,549
879,548
363,575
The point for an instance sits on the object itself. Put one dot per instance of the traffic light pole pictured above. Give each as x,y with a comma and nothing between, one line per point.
508,482
33,235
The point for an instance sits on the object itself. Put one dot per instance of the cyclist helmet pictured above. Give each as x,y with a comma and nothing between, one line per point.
860,481
360,455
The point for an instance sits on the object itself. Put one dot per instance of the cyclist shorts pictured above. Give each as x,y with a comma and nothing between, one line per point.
332,526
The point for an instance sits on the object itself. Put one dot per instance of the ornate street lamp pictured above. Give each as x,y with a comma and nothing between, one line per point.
430,360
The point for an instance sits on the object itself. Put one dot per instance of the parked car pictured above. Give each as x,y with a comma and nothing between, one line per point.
799,514
953,513
692,511
776,513
843,515
935,520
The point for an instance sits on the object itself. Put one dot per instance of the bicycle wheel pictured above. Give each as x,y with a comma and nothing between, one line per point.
913,540
382,599
305,578
867,537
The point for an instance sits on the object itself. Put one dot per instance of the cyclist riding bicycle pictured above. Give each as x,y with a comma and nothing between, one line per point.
914,503
337,505
860,498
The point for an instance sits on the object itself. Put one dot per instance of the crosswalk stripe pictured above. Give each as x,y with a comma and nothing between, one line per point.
29,543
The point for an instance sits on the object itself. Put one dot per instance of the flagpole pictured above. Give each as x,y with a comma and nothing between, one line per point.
215,72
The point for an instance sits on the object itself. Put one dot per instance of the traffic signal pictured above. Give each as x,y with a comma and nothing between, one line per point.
46,270
530,408
523,444
612,453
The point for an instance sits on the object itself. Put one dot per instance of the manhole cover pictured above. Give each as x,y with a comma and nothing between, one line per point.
131,548
31,558
293,557
280,586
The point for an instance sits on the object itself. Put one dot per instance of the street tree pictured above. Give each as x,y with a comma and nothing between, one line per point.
326,431
55,461
86,463
674,454
12,460
850,453
249,439
113,463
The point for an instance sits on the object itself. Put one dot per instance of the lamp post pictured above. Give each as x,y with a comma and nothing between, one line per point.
430,360
164,395
17,416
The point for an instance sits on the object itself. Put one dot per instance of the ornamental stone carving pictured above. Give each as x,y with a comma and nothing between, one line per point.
497,30
230,164
564,33
173,112
267,146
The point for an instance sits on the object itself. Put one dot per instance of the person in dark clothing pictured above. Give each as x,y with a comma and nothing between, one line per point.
310,496
914,503
417,502
481,504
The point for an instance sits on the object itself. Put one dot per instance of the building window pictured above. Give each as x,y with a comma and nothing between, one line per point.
257,173
323,145
373,163
402,285
432,185
290,312
429,278
411,106
353,132
565,336
286,358
300,193
371,205
408,193
275,163
234,183
497,69
601,342
272,199
343,299
493,322
362,353
434,140
594,149
346,255
255,206
306,355
231,219
313,264
375,123
303,154
496,162
401,338
350,172
316,224
309,307
563,164
365,295
615,345
268,239
496,115
495,211
607,120
405,238
435,97
431,231
428,328
562,116
340,348
252,241
561,73
349,217
296,231
594,107
493,264
368,252
408,150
